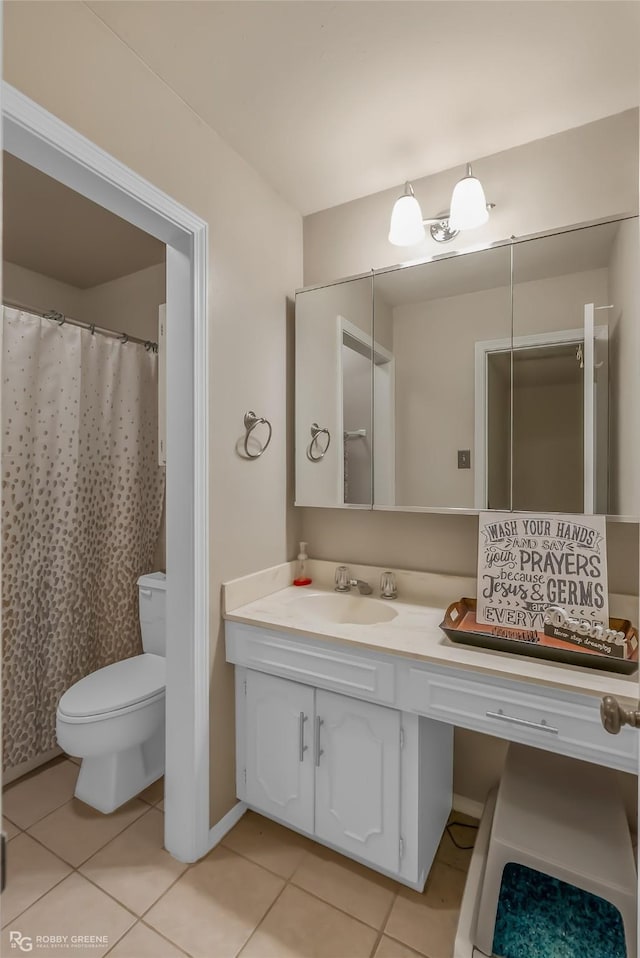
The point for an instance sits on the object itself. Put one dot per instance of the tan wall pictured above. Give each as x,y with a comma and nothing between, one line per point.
31,290
582,174
101,88
128,304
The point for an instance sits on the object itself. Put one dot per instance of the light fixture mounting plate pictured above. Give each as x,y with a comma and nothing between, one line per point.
441,232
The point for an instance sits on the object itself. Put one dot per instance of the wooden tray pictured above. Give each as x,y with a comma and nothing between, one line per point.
460,625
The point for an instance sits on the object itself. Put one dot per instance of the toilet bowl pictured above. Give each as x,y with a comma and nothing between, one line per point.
113,719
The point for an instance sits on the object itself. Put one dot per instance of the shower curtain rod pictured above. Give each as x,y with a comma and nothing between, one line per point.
62,320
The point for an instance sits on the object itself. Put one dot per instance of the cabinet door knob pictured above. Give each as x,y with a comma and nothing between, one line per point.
302,748
318,750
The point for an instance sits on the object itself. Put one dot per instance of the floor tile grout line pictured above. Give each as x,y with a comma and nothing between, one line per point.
117,835
115,944
46,814
383,925
290,881
269,909
190,867
76,870
28,777
163,936
112,896
95,851
39,898
12,823
399,941
254,862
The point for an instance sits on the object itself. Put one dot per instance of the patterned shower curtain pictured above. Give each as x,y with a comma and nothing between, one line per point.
81,510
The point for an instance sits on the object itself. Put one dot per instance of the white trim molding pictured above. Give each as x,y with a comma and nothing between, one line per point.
226,823
36,136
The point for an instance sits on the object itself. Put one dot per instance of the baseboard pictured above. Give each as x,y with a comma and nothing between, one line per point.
226,823
467,806
11,774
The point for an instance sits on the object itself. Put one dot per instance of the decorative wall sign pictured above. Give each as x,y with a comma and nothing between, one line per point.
527,563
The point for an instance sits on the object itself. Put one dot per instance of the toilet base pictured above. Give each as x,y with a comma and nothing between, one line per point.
108,781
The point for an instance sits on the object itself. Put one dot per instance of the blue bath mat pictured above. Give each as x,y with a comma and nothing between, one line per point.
541,917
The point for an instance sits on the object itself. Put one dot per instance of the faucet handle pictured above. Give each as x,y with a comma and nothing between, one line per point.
342,579
388,587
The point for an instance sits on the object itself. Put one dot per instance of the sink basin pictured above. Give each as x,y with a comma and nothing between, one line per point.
349,609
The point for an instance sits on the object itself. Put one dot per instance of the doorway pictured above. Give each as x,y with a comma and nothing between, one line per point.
35,136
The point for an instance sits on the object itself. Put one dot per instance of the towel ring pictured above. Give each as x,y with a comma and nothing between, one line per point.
250,423
317,431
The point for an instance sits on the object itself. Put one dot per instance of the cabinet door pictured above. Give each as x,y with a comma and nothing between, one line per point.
357,754
279,720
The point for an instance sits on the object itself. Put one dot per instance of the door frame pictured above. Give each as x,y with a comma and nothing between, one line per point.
483,349
45,142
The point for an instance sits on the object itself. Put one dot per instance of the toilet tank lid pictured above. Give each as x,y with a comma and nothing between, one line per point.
121,685
153,580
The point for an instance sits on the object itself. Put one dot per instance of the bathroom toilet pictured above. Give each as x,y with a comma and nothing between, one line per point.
114,719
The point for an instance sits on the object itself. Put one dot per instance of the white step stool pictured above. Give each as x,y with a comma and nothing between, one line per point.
566,819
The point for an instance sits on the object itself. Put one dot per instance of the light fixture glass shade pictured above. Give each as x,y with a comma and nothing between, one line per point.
468,203
407,228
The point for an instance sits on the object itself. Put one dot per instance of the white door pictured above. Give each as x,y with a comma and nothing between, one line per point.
357,754
596,413
279,760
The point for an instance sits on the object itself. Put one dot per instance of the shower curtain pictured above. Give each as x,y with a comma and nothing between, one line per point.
81,510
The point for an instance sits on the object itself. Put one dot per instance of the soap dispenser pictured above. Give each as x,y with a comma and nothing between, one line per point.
302,578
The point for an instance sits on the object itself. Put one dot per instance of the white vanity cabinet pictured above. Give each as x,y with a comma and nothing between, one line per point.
366,779
326,764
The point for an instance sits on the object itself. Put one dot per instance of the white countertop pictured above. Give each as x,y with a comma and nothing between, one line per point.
264,599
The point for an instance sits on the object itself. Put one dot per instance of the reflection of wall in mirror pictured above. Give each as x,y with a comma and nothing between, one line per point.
548,435
433,343
624,344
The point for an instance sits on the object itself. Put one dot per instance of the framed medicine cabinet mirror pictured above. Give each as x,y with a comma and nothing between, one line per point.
495,379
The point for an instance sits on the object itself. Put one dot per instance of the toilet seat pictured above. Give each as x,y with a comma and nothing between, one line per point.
115,689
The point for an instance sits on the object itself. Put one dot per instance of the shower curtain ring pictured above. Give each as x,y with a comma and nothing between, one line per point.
92,329
124,338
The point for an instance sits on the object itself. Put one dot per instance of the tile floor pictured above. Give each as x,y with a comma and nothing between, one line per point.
265,892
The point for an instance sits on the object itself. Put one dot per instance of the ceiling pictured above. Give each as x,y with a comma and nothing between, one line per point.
331,101
55,231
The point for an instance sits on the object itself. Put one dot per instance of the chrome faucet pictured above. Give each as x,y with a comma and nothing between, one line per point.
344,582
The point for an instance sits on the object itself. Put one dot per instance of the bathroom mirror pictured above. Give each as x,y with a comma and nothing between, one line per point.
432,316
334,349
496,379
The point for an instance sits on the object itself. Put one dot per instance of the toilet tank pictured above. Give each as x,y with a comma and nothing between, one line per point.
152,589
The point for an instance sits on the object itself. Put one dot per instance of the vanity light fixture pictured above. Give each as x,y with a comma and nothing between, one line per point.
469,209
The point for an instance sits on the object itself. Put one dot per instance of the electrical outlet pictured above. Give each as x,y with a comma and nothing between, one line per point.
464,459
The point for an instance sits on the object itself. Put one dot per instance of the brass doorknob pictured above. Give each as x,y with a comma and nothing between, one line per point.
614,716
